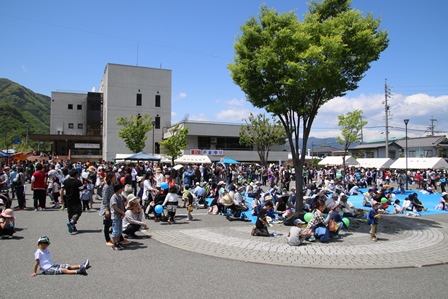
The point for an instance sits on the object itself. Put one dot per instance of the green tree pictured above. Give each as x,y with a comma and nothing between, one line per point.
173,145
262,134
291,68
134,130
351,130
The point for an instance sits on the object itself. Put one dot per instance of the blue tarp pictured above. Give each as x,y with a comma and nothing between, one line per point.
228,161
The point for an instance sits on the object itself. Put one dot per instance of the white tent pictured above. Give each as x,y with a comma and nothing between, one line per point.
420,163
337,160
377,163
185,159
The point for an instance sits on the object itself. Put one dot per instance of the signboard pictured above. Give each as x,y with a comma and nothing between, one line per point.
207,152
87,145
17,140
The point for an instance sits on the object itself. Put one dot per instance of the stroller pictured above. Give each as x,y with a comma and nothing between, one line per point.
149,208
4,195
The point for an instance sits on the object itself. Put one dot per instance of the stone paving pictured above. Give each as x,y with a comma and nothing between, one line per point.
403,242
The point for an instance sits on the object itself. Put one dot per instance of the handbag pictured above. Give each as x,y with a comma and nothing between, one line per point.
190,208
333,226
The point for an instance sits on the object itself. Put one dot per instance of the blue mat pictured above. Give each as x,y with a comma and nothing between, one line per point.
428,200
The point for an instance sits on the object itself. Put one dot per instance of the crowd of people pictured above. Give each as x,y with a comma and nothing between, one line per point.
132,193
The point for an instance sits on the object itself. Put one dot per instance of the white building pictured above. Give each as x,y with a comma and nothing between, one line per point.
132,90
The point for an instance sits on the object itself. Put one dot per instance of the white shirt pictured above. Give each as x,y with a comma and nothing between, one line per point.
44,259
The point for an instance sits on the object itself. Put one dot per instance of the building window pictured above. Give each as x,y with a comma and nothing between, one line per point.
370,155
427,153
139,99
79,107
157,100
80,126
70,126
411,154
70,106
157,122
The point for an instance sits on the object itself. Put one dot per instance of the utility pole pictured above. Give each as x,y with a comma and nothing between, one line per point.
386,110
432,127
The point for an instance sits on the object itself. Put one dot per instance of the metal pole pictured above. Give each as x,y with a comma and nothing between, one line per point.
153,141
406,126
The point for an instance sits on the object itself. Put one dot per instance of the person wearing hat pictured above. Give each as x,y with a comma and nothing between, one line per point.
372,220
442,205
42,259
295,236
7,223
133,216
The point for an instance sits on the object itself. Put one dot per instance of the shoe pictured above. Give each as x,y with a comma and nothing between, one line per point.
86,264
169,221
110,243
35,210
311,239
117,247
374,239
75,230
70,227
336,237
125,241
82,271
133,237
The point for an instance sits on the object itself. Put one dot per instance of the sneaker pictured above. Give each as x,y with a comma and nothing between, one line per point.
70,227
82,271
86,264
311,239
9,237
110,243
125,241
117,247
35,210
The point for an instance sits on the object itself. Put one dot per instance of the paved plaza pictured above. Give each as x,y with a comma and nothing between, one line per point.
211,256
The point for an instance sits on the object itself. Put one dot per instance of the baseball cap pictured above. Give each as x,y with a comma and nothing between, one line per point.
44,239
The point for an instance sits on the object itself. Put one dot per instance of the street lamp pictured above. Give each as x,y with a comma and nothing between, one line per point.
406,125
153,141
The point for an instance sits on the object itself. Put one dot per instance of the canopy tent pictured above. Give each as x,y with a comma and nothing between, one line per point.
163,158
142,156
228,161
185,159
337,160
4,155
378,163
420,163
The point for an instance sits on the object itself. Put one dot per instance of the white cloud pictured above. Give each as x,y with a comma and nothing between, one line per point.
181,95
173,114
199,117
233,115
24,68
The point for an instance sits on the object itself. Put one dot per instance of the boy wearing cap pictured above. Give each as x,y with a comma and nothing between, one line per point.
295,237
372,219
7,223
42,259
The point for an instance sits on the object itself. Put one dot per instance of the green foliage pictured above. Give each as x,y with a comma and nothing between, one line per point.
173,145
134,130
351,129
260,133
292,68
18,106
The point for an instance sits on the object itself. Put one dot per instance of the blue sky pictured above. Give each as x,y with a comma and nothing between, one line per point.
65,45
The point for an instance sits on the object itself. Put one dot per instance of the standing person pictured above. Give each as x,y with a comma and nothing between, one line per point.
117,214
108,191
70,199
189,203
12,176
56,191
261,226
38,186
19,185
171,203
43,260
372,219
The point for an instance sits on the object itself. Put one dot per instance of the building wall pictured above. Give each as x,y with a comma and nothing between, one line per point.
120,86
61,117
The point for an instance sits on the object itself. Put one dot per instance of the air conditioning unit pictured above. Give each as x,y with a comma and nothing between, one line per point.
213,140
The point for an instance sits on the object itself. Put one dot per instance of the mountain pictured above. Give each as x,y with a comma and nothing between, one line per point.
316,143
18,106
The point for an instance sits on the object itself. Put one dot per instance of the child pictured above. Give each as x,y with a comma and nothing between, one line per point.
295,236
171,203
372,219
189,202
56,189
43,260
117,214
7,224
85,198
132,220
185,195
261,226
397,207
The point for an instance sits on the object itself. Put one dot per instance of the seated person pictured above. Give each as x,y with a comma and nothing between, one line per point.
442,205
407,205
416,203
261,226
295,236
132,220
347,209
281,205
256,204
332,202
354,190
7,224
397,208
368,197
